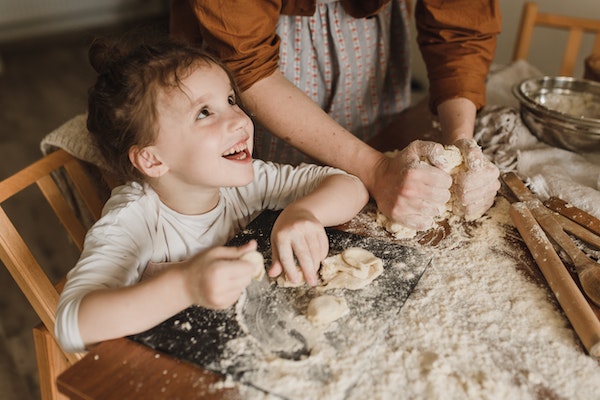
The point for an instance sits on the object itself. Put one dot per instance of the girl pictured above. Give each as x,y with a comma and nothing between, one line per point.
167,118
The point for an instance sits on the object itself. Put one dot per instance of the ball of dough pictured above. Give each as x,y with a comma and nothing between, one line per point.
258,261
325,309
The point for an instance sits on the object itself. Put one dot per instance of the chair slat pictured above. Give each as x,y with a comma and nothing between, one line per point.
574,26
62,209
27,272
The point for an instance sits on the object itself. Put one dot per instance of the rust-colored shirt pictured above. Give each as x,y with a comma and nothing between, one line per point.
457,38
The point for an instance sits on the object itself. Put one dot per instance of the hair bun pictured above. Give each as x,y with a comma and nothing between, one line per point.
103,55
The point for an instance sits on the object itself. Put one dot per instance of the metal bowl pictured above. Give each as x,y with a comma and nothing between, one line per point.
562,111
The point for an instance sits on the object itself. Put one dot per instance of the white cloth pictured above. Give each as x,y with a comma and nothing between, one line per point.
136,228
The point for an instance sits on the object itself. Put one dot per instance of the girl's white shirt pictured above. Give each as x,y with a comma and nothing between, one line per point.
137,229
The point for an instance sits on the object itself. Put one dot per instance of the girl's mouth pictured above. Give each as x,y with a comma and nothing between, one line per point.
237,152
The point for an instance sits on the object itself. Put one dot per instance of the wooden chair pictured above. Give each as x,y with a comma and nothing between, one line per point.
576,27
17,256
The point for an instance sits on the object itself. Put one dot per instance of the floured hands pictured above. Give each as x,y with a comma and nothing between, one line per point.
475,186
412,188
216,278
298,234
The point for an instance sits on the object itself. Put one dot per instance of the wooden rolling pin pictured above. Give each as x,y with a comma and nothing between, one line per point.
575,306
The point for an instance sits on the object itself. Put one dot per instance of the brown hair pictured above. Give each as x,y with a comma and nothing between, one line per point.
122,103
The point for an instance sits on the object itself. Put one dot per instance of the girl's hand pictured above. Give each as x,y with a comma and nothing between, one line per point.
474,188
216,278
298,234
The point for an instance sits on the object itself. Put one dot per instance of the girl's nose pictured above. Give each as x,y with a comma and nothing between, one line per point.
239,119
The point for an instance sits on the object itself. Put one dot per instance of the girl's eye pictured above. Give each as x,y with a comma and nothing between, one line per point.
203,113
231,100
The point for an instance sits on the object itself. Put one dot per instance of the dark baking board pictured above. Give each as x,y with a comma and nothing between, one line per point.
201,336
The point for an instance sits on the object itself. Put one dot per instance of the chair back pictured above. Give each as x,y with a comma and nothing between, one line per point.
15,253
575,27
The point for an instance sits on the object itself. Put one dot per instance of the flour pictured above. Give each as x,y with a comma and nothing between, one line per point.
475,327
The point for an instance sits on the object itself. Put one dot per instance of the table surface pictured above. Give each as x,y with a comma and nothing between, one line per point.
136,371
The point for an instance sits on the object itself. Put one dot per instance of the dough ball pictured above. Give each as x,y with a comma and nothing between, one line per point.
454,158
325,309
258,261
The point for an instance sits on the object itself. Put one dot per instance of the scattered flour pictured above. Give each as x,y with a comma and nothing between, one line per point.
475,327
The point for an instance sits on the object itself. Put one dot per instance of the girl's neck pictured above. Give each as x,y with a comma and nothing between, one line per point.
187,200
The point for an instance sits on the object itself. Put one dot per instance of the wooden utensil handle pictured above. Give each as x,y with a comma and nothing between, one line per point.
575,306
574,214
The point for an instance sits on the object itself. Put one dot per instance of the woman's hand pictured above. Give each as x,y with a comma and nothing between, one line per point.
474,187
298,235
412,188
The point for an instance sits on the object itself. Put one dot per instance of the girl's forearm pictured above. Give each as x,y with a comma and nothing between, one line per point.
113,313
336,200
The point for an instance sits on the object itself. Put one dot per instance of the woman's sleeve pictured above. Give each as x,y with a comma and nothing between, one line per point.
241,33
457,39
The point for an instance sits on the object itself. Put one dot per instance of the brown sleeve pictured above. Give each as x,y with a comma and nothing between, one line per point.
241,33
457,39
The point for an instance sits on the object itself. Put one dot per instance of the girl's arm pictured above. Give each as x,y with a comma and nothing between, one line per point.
299,230
212,279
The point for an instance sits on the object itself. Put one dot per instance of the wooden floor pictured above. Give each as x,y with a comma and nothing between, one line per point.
43,83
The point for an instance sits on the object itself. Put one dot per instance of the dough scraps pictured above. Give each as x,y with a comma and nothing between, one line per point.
353,269
454,165
325,309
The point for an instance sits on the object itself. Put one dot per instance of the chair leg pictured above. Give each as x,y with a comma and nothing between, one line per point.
51,362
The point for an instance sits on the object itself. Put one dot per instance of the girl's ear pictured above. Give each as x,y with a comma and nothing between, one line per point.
147,162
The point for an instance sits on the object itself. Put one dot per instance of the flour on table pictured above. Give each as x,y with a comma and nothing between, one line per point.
453,166
475,327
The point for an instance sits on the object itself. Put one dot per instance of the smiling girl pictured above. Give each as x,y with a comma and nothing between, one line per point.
166,117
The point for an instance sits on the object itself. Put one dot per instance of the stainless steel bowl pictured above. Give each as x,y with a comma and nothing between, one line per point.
562,111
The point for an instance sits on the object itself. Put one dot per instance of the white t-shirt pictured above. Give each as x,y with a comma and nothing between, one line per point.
136,228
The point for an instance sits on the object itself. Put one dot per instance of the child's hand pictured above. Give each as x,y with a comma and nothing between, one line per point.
217,277
298,233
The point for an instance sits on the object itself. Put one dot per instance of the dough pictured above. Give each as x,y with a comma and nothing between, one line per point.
455,164
353,269
325,309
258,261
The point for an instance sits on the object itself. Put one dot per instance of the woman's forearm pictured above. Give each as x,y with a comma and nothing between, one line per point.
292,116
457,119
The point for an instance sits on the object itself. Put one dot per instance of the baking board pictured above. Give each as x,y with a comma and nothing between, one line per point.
217,341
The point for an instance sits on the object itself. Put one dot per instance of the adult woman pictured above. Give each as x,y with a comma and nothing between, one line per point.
312,71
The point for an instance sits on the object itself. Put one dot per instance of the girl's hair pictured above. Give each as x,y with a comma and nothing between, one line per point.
122,103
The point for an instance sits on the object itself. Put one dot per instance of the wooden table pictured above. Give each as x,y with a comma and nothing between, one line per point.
123,369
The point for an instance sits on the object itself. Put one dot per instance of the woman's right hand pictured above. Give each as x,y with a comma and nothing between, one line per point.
412,189
216,278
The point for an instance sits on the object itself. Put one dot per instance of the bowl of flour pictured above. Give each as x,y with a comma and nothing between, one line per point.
562,111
